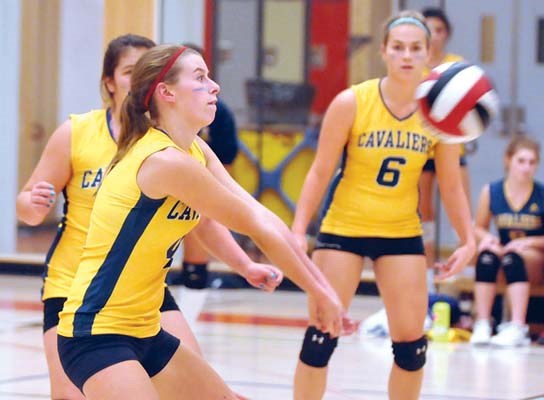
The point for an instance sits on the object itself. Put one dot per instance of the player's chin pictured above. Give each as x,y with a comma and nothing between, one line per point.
208,116
409,75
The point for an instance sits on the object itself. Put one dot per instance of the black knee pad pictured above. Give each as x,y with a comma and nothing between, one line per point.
195,276
410,356
317,348
487,267
514,268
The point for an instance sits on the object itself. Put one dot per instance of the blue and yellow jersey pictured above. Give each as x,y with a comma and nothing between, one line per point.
376,191
92,148
514,223
119,284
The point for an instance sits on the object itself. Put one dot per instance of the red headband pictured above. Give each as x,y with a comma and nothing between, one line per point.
161,75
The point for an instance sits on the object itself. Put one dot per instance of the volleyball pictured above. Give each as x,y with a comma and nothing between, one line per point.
457,102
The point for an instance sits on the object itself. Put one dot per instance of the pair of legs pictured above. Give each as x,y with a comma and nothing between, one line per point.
427,206
402,285
525,270
61,387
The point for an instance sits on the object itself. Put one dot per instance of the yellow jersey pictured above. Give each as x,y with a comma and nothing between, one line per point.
449,57
376,194
119,284
91,149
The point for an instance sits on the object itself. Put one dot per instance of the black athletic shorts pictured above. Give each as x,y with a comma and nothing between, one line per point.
83,357
371,247
51,309
429,166
169,303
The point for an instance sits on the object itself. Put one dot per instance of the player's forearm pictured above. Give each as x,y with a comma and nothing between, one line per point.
456,205
281,252
220,243
280,226
480,233
309,201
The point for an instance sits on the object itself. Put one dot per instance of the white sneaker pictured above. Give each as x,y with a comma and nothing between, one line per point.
375,325
511,335
481,333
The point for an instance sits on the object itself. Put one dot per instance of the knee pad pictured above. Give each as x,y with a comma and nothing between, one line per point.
487,267
410,356
317,348
429,231
195,276
514,268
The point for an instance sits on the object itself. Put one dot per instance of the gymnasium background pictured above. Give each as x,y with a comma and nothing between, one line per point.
279,63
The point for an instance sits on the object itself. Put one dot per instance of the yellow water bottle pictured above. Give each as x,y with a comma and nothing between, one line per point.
441,321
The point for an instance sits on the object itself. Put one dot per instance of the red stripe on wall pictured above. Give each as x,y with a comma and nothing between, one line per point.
330,30
209,16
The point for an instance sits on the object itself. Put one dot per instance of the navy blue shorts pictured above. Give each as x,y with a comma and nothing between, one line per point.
371,247
53,306
82,357
429,166
169,303
51,309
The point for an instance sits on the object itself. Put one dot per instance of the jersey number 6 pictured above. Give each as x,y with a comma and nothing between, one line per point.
389,176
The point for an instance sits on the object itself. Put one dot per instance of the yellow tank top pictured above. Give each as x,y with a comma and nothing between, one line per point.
449,57
92,148
119,284
377,190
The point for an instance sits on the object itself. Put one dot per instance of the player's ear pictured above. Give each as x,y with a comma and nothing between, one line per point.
164,92
109,84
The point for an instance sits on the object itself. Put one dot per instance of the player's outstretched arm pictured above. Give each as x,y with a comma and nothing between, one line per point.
218,241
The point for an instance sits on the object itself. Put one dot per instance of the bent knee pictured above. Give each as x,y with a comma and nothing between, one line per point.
317,348
410,356
514,268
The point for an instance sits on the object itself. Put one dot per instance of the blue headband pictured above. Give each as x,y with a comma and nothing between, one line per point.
409,20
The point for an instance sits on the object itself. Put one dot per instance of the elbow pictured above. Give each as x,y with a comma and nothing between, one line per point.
260,227
30,220
27,217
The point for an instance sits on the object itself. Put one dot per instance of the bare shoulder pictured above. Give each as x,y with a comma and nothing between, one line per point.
339,118
345,100
171,159
205,147
165,170
202,143
61,136
168,155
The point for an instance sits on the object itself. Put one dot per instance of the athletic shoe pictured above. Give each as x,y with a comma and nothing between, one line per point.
511,335
481,333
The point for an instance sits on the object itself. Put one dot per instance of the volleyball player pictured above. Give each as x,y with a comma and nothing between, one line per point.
374,129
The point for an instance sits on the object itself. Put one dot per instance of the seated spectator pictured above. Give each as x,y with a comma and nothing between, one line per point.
516,205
